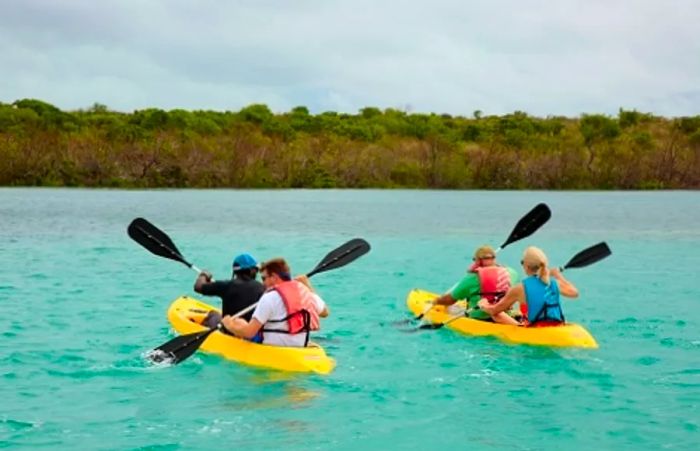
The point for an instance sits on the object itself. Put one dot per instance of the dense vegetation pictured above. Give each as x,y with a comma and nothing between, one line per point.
40,145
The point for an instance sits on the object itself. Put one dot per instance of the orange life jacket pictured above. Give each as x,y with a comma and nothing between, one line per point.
301,309
494,282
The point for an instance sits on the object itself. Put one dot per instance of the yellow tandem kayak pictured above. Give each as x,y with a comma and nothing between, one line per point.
569,335
186,313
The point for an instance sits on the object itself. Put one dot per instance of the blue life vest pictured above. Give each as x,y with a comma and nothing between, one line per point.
542,300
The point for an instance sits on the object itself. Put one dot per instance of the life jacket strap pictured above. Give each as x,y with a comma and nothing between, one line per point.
497,295
305,328
543,314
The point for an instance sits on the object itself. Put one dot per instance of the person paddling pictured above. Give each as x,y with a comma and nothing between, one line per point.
236,294
538,293
287,312
485,280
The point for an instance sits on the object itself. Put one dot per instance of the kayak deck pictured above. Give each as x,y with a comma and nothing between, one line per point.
185,315
569,335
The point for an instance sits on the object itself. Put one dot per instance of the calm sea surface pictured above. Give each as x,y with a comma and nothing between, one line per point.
80,303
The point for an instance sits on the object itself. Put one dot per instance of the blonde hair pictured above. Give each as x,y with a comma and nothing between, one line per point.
536,261
483,251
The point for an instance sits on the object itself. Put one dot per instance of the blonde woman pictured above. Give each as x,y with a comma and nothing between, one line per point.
538,293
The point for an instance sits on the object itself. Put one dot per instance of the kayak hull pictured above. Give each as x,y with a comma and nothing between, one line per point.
570,335
185,315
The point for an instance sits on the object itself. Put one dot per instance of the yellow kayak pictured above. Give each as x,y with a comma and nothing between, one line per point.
569,335
186,313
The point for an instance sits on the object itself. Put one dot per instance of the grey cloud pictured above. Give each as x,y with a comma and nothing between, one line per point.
543,57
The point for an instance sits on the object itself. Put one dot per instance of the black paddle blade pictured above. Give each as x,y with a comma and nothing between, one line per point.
154,240
529,223
424,326
180,342
589,256
403,322
341,256
407,321
411,330
179,348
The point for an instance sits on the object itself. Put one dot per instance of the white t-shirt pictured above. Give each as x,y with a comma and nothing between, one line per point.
271,306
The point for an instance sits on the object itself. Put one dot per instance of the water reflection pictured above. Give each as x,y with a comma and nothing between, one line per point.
272,390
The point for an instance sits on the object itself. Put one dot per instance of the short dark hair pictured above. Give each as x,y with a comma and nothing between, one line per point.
246,274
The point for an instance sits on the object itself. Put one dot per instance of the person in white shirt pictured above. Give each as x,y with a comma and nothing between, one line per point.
287,312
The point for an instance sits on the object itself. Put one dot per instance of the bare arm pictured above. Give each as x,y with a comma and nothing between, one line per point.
240,327
305,280
445,299
566,288
515,294
321,306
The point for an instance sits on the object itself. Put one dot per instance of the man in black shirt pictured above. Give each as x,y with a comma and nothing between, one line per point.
236,294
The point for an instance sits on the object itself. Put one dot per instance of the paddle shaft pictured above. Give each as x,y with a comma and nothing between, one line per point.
431,326
454,318
245,310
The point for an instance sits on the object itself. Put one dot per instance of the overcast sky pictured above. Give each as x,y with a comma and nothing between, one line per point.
545,57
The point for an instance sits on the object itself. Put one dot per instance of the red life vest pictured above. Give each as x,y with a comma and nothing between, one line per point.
301,308
526,322
494,282
523,312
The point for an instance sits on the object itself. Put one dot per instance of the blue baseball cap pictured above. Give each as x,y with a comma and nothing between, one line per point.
244,261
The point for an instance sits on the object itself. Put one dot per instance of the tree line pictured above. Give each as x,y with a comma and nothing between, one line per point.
41,145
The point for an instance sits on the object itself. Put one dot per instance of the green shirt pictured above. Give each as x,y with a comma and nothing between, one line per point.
468,289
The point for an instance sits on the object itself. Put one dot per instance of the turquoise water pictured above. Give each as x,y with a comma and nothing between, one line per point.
80,303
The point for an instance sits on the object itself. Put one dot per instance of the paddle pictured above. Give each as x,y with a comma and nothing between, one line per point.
156,241
180,348
528,224
586,257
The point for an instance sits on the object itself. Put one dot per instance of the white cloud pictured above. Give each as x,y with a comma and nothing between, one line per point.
543,57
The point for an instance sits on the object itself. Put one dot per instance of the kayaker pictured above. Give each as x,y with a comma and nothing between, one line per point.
486,280
287,312
236,294
538,293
